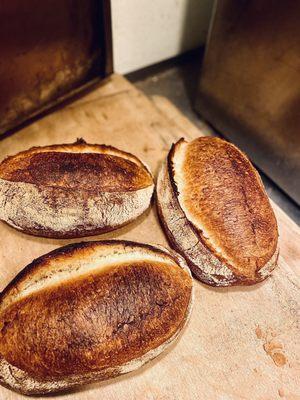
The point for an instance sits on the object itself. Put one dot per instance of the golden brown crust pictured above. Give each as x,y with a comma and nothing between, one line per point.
95,322
51,262
99,320
61,166
216,214
73,190
226,202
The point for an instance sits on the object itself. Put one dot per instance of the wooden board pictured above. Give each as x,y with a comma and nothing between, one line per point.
241,343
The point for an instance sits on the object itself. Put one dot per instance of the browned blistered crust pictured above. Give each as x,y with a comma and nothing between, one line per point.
95,322
58,166
73,190
225,194
230,202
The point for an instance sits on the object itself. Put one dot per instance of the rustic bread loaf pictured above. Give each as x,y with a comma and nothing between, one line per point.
73,190
216,213
90,311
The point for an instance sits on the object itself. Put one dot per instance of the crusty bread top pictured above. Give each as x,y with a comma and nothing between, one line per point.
224,199
76,260
90,306
77,165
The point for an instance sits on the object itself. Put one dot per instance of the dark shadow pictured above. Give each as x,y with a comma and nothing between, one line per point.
197,18
57,105
48,49
170,79
190,74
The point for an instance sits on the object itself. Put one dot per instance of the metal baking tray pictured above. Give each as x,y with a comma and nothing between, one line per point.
250,84
50,50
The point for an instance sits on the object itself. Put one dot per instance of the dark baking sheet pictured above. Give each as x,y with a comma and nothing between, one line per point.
49,49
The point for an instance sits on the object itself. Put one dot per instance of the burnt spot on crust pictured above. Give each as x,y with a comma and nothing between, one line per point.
88,171
95,322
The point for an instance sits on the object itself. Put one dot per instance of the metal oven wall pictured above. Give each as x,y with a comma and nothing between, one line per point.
47,48
250,83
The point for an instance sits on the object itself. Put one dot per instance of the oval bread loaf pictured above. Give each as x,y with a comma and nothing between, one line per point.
88,312
216,213
73,190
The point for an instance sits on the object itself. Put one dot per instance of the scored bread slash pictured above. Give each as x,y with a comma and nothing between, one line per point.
73,190
90,311
216,214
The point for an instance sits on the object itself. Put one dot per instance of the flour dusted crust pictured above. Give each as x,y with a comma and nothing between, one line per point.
73,190
215,212
90,311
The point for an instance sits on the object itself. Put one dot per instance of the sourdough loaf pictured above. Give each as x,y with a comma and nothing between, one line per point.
216,213
90,311
73,190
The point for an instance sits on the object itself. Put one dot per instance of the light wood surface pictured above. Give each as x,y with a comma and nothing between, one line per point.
241,343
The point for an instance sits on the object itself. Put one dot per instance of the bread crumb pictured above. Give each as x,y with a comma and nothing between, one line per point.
272,348
279,359
258,332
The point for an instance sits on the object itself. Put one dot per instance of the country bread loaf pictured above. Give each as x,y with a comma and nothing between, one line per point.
216,213
90,311
73,190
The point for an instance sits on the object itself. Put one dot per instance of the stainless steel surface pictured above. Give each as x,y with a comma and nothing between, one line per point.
177,80
250,84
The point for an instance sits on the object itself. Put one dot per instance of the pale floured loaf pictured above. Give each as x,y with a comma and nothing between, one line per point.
73,190
90,311
216,213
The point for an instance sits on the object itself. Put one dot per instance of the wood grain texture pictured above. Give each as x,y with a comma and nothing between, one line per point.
241,343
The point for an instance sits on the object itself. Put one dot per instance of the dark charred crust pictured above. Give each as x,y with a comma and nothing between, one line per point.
79,144
97,321
80,141
78,177
91,172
